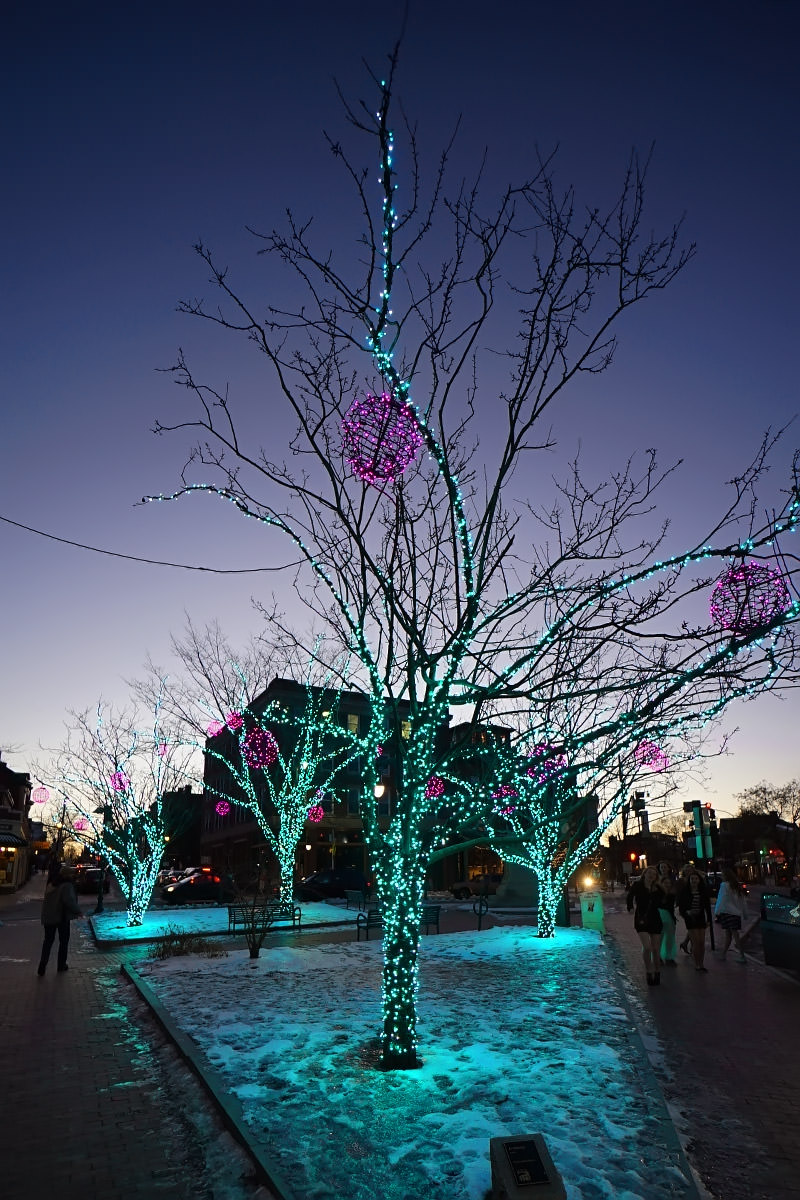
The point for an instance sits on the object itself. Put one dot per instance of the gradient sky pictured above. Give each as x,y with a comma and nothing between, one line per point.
133,131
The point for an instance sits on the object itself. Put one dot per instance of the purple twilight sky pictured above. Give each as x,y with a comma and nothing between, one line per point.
133,131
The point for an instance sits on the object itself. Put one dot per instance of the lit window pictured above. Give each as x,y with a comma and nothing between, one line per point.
405,729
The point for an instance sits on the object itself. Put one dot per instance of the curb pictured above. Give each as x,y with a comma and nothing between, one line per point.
227,1104
696,1189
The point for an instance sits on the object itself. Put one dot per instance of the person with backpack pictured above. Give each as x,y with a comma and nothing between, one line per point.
59,907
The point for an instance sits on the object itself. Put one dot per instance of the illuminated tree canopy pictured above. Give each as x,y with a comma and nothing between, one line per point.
455,585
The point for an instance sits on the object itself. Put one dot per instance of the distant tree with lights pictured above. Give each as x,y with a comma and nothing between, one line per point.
400,490
279,765
116,782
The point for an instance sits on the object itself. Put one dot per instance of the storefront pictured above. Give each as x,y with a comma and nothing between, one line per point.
14,853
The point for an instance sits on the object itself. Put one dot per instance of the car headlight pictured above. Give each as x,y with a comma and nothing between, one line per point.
170,889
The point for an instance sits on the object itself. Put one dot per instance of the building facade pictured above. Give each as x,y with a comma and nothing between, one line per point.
15,847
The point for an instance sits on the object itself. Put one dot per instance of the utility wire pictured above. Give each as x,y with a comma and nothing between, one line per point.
154,562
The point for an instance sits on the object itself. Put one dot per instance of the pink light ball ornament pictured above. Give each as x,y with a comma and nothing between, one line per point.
80,825
222,807
40,795
119,781
434,788
748,597
162,749
315,813
648,754
234,721
259,748
380,438
214,727
547,762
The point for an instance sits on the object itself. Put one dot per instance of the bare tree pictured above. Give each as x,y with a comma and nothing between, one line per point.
449,593
115,780
766,799
208,677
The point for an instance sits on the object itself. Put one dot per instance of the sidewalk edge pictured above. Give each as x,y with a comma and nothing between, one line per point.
228,1105
700,1190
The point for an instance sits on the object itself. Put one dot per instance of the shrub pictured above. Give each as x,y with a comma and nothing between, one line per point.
177,941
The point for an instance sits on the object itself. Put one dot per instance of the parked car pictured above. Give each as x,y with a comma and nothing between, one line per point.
480,885
87,881
331,884
202,886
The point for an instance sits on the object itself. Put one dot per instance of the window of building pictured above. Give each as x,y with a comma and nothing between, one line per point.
405,729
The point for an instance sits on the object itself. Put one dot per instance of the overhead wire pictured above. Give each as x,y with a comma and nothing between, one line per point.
154,562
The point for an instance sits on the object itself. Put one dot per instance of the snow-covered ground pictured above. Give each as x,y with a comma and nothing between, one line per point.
517,1036
208,918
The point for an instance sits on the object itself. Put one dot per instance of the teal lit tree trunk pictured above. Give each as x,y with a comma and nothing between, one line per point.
550,893
400,899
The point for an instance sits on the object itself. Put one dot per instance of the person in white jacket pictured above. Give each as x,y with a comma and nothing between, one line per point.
731,910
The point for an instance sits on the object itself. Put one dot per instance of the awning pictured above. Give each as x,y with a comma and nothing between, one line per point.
12,839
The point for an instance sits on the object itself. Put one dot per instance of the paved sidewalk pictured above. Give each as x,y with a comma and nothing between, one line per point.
726,1048
96,1104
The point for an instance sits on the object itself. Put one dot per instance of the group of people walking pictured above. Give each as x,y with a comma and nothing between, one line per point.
655,897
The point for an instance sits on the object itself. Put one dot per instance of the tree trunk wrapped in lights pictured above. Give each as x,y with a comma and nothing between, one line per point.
452,597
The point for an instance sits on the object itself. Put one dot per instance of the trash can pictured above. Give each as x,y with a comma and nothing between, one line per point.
592,911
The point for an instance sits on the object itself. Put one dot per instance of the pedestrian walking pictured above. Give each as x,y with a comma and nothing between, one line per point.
730,911
669,948
59,907
695,908
646,897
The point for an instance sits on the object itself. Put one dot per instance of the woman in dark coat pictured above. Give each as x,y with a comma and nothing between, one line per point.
695,908
646,897
59,907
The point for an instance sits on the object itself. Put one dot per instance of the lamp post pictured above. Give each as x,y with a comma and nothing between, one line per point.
103,868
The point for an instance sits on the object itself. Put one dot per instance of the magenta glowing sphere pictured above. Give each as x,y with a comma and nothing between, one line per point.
214,727
547,762
380,438
648,754
162,749
315,813
222,807
259,748
80,824
234,721
748,597
40,795
506,792
434,788
119,781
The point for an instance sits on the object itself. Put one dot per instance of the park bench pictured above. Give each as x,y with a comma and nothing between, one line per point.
780,931
371,919
264,912
429,917
355,899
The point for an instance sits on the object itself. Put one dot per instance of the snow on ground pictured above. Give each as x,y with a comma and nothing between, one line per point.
517,1036
209,918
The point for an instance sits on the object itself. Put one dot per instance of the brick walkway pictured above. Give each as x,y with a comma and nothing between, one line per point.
726,1049
96,1105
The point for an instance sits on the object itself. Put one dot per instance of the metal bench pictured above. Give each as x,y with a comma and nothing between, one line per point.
371,919
429,917
356,899
266,912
